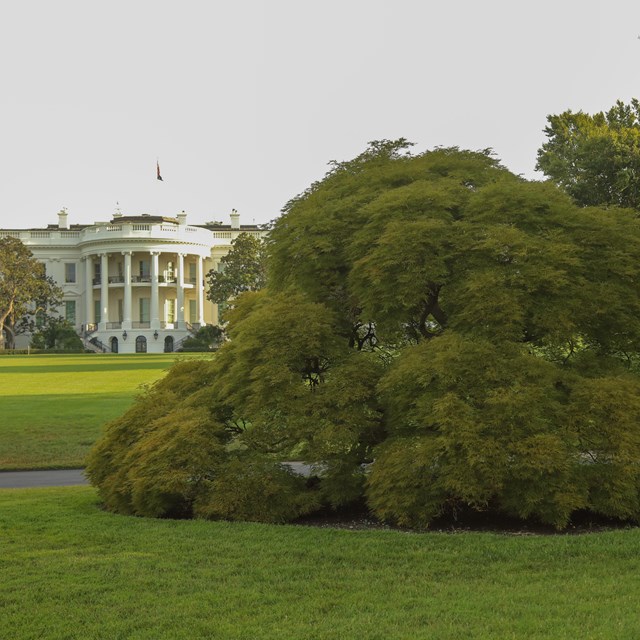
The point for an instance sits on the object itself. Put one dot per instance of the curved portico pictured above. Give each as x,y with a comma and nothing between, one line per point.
144,280
135,283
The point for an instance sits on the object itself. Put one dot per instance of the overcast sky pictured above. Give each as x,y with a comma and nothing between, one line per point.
245,102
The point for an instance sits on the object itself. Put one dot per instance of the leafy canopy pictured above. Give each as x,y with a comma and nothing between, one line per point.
437,333
242,269
24,287
595,158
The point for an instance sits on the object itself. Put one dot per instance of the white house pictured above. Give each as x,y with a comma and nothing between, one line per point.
136,283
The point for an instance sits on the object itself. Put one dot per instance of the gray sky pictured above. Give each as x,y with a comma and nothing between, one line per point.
244,102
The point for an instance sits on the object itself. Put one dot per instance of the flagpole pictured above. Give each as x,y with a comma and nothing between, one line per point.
158,179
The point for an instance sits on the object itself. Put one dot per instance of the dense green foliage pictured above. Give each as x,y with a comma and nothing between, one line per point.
595,158
72,571
242,269
207,338
57,334
437,333
25,290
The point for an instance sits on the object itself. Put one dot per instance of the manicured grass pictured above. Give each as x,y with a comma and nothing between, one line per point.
70,571
52,407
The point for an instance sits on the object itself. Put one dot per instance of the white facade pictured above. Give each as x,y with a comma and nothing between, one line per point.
136,283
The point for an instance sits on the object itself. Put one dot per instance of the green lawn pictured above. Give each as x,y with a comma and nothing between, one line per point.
70,570
52,407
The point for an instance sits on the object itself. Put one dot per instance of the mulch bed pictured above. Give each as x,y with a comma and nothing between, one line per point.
358,518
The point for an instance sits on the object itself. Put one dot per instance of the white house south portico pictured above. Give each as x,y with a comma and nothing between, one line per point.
136,283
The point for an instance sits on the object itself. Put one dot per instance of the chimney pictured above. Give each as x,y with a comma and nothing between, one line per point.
62,219
235,219
182,218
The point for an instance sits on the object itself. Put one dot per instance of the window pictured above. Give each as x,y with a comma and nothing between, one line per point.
97,311
192,273
171,310
70,311
69,272
96,270
193,314
144,268
145,310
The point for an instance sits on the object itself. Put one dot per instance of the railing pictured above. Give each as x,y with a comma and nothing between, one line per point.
90,327
100,345
113,325
193,327
140,278
141,325
116,279
167,279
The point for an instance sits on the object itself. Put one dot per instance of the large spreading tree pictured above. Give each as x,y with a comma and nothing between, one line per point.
436,333
26,292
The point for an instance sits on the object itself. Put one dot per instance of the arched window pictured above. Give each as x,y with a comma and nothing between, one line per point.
114,345
141,344
168,344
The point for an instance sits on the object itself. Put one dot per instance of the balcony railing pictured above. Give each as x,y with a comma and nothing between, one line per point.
114,325
143,279
140,325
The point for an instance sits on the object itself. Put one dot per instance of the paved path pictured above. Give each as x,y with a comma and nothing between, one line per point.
70,477
49,478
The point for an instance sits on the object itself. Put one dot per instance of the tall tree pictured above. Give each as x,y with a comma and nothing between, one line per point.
22,283
242,269
39,316
595,158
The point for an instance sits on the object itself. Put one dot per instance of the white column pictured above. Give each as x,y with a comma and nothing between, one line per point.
88,290
104,291
180,285
155,311
200,292
126,306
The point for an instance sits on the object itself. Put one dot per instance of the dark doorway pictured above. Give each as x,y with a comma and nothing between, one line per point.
168,344
114,345
141,344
